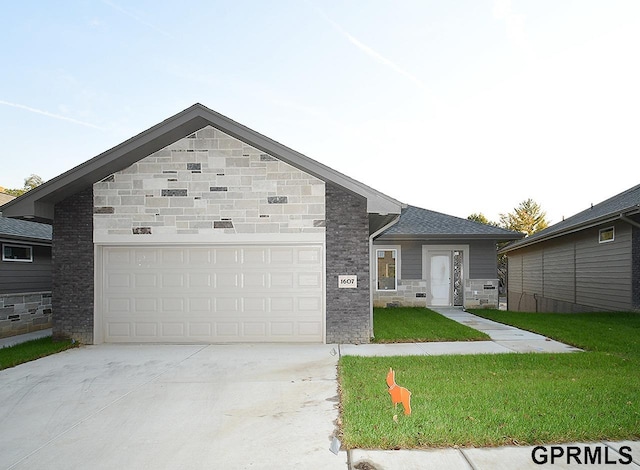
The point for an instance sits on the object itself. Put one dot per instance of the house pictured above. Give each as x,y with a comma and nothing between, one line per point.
4,197
432,259
588,262
25,277
203,230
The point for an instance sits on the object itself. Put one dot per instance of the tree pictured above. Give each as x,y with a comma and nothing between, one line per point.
480,218
528,217
33,181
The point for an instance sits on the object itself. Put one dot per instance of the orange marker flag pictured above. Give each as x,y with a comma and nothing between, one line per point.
398,394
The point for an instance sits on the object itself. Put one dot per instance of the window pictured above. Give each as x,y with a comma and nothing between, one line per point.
17,253
386,269
606,235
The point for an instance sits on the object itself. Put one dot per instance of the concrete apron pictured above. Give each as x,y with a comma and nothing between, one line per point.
172,406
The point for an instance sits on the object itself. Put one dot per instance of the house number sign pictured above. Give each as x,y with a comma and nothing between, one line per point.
347,281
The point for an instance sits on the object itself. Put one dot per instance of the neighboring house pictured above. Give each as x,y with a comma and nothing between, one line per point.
4,197
25,276
588,262
432,259
202,230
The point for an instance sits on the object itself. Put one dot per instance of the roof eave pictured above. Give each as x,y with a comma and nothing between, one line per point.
39,202
611,217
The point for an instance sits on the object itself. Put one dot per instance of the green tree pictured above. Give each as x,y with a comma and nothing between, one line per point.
528,218
33,181
480,217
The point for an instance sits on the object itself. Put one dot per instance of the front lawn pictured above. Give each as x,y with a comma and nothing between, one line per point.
493,400
415,324
24,352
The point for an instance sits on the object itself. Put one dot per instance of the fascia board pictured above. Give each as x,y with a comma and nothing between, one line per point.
39,202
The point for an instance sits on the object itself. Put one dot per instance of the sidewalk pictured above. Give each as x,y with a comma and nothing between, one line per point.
13,340
504,339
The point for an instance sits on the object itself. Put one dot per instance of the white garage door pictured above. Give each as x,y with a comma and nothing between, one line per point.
213,294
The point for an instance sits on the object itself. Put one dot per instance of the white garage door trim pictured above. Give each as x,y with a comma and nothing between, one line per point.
210,293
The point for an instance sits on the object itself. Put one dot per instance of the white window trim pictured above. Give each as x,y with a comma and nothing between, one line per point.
602,230
395,248
30,260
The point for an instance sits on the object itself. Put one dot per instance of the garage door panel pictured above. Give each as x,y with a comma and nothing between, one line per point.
213,294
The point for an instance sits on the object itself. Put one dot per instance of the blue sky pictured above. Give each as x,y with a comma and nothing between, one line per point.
455,106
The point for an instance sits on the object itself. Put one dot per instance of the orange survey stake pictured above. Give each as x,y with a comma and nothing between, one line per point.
398,394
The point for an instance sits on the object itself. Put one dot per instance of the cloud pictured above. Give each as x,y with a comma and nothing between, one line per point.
136,18
369,51
51,115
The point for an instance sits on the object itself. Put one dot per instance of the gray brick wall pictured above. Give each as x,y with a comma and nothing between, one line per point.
72,256
347,252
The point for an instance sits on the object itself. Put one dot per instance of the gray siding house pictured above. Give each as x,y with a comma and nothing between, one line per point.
25,277
202,230
430,259
588,262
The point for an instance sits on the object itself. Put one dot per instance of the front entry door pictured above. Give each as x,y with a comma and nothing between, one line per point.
440,278
446,278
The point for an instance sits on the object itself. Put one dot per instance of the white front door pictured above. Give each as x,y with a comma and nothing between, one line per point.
440,269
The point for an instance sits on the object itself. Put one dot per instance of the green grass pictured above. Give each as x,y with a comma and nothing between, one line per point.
414,324
492,400
613,332
20,353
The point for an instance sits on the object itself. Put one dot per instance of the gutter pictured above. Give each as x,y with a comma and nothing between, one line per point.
371,267
576,228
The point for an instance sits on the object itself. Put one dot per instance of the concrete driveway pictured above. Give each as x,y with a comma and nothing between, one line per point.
172,407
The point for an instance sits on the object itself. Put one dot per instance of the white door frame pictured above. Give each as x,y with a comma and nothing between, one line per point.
427,250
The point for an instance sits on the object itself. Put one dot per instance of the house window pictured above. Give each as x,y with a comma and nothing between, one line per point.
17,253
387,269
606,235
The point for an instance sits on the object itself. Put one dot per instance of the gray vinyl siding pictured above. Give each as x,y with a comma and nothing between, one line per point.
411,260
483,260
559,271
603,270
18,277
576,269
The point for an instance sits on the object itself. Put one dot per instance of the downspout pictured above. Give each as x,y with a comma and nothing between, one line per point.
372,277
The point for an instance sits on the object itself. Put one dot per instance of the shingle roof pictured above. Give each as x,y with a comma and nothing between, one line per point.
623,203
4,198
423,222
13,228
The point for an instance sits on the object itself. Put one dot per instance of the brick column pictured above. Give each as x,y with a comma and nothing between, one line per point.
72,258
347,252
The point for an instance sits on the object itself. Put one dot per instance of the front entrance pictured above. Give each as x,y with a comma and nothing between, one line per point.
446,276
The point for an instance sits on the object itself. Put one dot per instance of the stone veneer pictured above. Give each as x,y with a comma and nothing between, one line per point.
24,312
347,252
410,293
414,293
207,184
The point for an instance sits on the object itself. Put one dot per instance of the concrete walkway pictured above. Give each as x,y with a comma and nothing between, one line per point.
504,339
13,340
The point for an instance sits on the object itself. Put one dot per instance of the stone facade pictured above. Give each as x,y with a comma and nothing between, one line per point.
410,293
72,258
414,293
24,312
481,293
205,186
347,252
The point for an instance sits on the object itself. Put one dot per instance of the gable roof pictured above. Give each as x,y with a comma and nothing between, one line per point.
38,203
416,222
619,206
23,230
